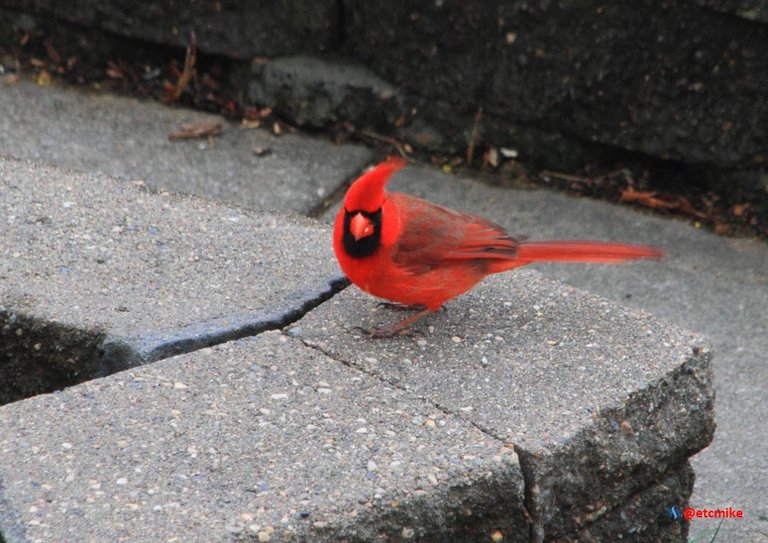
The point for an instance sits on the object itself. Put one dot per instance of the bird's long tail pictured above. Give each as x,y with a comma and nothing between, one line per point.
583,251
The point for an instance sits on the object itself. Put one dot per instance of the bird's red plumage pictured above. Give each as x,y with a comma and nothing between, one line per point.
424,254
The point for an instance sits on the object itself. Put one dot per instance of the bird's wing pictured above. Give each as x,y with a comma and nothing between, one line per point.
432,234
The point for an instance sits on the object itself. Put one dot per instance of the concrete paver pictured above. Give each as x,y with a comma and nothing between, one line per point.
585,390
147,274
261,439
128,139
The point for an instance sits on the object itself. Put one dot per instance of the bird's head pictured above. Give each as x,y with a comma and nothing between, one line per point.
363,205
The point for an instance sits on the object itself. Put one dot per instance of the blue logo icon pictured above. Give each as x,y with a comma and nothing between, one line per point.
675,513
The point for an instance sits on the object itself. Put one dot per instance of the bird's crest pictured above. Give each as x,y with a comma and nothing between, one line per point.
367,192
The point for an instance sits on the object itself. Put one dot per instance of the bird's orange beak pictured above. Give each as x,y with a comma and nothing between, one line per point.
360,226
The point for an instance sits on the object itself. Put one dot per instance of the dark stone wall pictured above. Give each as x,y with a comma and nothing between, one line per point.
236,28
675,82
563,83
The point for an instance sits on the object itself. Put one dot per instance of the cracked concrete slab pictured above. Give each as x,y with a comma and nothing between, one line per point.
262,439
99,275
600,402
128,139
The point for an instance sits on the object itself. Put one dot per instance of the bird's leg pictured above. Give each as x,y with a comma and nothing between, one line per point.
399,327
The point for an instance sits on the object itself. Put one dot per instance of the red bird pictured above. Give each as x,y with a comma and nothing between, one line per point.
419,254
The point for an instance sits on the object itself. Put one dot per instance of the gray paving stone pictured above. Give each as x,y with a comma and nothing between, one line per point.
600,402
712,284
128,139
262,439
98,275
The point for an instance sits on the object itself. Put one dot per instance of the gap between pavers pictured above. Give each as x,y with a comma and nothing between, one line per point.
604,405
100,275
262,439
128,139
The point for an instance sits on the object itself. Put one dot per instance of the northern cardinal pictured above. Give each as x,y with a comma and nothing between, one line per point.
419,254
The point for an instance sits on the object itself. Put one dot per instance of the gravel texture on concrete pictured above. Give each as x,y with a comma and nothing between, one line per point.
600,402
263,439
144,274
128,139
712,284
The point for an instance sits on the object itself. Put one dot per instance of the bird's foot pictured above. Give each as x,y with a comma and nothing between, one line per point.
398,328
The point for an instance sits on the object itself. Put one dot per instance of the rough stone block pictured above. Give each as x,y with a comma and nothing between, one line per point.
99,275
261,439
600,402
317,92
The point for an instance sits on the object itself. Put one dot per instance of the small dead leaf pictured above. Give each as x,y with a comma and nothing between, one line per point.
197,130
114,71
262,151
248,124
252,116
256,114
646,198
276,128
654,201
51,51
739,210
